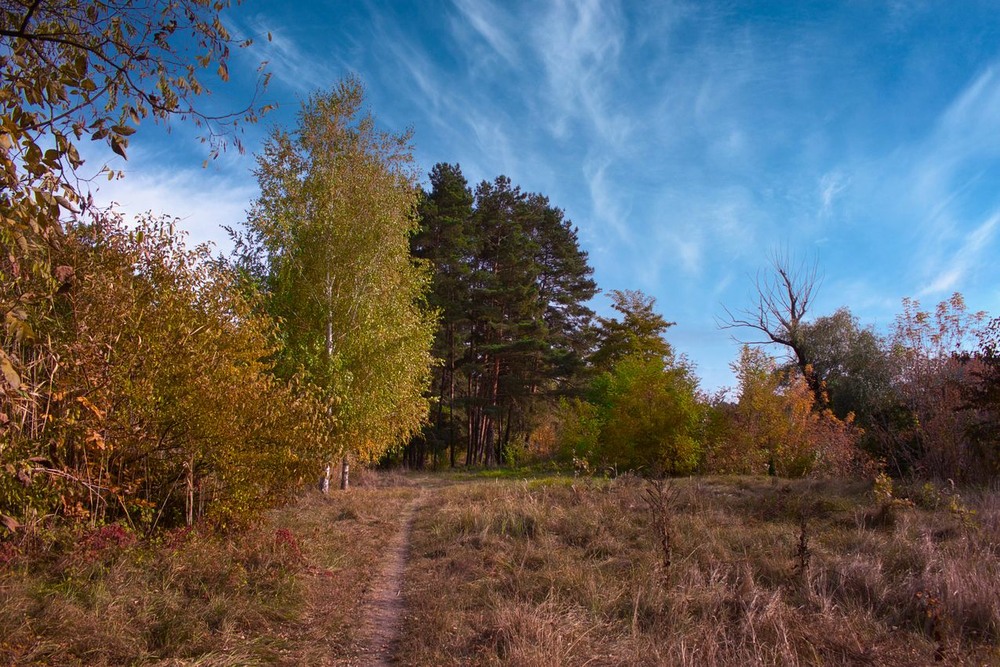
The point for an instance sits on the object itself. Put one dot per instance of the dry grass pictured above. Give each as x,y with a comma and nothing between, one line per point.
572,572
288,591
552,571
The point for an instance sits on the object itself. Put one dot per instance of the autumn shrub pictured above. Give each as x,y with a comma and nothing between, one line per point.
776,427
937,381
159,406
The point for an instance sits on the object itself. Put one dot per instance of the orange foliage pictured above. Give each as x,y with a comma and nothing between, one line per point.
775,427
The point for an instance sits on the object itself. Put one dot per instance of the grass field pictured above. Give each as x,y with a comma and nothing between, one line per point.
543,571
574,572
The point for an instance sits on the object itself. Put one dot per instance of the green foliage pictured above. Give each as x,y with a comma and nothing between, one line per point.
579,430
638,333
444,239
528,288
331,231
642,411
512,285
650,417
851,364
882,489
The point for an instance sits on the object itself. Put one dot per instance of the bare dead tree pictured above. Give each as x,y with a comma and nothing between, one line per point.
784,293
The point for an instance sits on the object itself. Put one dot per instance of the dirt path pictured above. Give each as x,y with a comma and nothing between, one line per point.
384,617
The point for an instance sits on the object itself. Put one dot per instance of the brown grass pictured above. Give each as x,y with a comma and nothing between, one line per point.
570,572
288,591
551,571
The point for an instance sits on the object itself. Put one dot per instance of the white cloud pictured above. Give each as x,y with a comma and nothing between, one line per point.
970,123
689,250
580,45
289,63
203,199
606,206
965,259
486,21
944,186
831,185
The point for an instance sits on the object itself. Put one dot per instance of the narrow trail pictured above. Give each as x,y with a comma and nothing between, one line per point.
383,622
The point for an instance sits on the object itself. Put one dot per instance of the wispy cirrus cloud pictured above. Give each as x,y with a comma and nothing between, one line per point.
954,269
488,23
606,206
831,185
946,184
686,139
580,45
289,59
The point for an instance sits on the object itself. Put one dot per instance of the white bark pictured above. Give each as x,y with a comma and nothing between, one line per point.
324,481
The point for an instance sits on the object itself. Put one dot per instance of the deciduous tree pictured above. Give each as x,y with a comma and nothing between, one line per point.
982,400
333,221
649,416
927,352
638,332
74,70
783,297
161,407
851,364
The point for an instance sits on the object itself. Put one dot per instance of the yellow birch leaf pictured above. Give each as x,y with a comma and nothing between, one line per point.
9,374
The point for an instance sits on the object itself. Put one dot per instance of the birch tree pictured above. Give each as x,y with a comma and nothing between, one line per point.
332,227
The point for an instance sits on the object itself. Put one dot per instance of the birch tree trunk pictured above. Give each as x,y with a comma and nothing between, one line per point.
189,500
324,481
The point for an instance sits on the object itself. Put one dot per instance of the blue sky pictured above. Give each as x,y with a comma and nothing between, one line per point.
686,140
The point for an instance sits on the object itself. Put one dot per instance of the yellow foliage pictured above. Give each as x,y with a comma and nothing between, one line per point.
777,429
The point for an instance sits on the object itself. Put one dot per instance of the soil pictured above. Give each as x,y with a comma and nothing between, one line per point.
384,615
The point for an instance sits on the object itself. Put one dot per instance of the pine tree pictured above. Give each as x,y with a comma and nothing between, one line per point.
511,284
504,313
444,240
529,291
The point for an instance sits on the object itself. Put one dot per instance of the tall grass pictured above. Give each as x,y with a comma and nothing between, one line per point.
761,573
551,571
287,591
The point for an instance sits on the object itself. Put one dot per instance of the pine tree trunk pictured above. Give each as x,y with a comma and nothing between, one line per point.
451,393
451,413
505,441
474,416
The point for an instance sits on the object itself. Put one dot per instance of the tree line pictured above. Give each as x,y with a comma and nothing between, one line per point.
528,372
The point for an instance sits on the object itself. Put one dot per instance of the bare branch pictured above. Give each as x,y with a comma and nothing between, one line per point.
784,295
